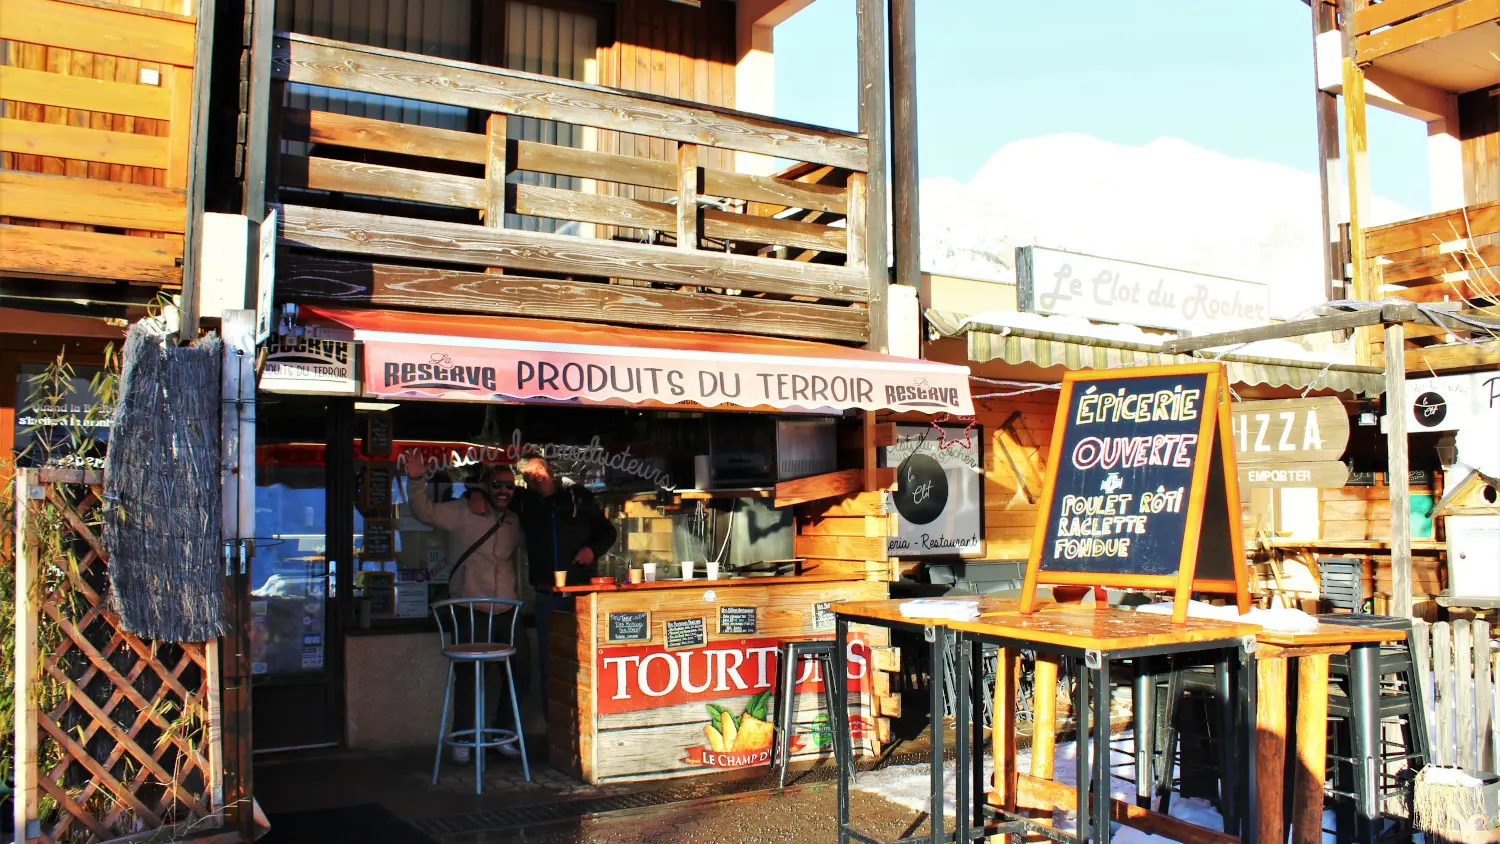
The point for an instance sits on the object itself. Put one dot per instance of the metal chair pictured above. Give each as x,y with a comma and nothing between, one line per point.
793,651
468,638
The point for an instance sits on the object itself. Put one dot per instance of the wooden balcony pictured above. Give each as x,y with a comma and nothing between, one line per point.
96,136
401,215
1447,44
1449,261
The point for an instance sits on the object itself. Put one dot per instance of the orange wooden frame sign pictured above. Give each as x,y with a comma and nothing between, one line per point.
1215,432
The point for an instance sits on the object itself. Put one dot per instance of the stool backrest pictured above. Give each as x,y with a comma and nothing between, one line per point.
472,621
1341,582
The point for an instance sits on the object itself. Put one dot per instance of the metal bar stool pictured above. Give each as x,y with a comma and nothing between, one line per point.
793,651
466,638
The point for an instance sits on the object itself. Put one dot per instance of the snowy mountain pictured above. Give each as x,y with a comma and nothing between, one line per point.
1167,203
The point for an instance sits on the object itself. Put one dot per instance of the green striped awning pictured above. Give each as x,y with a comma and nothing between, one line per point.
989,342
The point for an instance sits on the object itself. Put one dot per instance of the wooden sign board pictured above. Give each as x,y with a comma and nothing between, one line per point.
685,633
1290,430
628,627
1322,474
1142,490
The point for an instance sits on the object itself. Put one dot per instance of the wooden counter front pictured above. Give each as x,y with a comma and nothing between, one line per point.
626,704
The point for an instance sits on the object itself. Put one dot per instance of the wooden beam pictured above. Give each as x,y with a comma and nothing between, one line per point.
819,487
370,70
61,253
1297,328
1454,356
97,29
83,92
1312,749
1270,748
1369,18
1396,449
689,179
456,243
347,130
495,171
61,141
28,613
332,174
311,279
561,204
905,178
1428,27
1356,155
872,111
93,202
1434,229
1325,19
1429,267
1046,795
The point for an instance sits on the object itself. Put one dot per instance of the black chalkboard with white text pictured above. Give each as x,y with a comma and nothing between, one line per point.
1139,485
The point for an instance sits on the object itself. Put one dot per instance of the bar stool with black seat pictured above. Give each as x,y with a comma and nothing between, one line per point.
793,651
467,634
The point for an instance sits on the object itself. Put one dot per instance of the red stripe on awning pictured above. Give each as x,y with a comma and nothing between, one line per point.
474,358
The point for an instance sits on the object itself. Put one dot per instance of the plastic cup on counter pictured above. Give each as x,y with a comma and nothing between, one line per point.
560,578
713,571
637,576
687,569
649,570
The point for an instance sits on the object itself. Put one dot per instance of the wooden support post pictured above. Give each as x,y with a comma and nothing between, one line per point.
856,225
495,170
1395,432
871,50
1312,749
1325,19
688,185
1270,748
905,178
28,612
1003,733
237,481
1044,716
1357,153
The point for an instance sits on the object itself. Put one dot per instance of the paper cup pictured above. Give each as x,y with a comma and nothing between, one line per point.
649,569
713,571
637,575
687,569
560,578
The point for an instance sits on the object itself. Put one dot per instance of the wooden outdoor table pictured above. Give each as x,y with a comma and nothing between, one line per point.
1311,651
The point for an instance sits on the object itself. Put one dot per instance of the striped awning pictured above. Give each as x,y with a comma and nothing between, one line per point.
1012,344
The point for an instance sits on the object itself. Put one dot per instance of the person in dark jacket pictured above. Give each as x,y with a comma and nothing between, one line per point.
564,530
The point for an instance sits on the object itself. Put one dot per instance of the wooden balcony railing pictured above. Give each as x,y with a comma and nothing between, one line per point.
96,134
667,243
1450,260
1390,26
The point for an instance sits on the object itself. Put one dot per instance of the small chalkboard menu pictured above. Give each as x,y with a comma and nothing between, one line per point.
379,433
686,633
628,626
379,540
737,620
377,488
1141,489
822,615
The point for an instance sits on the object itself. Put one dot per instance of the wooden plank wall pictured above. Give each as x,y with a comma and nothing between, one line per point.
847,534
81,105
1479,135
1010,494
1361,513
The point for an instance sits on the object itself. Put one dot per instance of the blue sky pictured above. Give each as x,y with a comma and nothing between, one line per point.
1236,79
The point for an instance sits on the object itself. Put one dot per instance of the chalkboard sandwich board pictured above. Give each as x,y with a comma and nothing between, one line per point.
1142,490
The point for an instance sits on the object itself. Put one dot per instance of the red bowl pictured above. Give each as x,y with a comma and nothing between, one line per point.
602,581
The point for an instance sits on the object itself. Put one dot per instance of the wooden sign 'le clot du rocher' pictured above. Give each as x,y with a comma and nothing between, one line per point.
1141,489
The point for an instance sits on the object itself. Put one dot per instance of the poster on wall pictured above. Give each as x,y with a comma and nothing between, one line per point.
1468,405
937,499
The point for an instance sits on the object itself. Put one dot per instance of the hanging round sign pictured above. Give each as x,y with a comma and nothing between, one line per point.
922,489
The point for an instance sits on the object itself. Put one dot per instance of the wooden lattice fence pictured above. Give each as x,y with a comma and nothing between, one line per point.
112,731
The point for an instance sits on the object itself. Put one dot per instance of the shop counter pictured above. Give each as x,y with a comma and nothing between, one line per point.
678,678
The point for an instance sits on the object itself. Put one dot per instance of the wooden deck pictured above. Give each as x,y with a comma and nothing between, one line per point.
364,200
95,141
1441,43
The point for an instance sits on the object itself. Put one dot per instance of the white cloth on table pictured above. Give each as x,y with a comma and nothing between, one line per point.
949,609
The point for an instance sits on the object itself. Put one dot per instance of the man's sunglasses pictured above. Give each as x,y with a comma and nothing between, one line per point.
502,485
